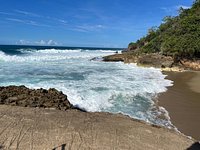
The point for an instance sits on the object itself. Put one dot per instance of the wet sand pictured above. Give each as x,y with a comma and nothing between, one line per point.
182,101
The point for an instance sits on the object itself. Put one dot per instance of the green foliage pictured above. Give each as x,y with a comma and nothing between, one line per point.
132,46
176,36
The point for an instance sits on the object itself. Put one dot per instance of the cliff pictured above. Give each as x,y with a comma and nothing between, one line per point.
175,44
177,36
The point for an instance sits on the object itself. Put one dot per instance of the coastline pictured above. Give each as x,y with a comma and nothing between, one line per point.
182,101
33,128
54,127
45,119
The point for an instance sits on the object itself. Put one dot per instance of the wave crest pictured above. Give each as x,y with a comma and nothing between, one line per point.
52,54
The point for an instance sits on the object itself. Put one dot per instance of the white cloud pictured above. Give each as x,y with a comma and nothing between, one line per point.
16,20
23,42
51,42
28,22
27,13
86,28
6,13
174,9
62,21
182,6
16,14
41,43
48,42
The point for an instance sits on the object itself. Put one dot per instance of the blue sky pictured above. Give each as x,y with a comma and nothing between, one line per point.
97,23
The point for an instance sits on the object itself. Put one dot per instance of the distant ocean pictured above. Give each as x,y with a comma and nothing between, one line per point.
92,85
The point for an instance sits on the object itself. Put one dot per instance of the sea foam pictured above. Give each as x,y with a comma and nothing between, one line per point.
51,54
92,85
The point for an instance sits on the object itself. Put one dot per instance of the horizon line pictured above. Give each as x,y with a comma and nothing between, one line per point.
63,46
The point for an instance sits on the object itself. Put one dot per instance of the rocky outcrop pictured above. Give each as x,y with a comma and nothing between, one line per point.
156,60
191,64
114,58
23,96
126,57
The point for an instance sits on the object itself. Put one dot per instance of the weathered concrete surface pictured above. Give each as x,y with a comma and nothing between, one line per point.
43,129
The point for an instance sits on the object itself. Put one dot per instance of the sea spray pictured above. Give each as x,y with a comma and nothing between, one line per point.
92,85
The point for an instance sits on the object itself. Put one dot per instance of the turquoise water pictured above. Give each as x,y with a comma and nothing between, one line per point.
92,85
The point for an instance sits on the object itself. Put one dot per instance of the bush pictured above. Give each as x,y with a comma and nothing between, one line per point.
176,36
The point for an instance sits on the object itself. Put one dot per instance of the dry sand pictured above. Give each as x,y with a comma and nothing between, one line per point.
182,101
42,129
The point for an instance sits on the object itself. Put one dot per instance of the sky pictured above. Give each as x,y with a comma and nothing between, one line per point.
92,23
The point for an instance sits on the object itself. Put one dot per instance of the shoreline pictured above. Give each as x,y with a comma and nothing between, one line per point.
182,101
33,125
35,128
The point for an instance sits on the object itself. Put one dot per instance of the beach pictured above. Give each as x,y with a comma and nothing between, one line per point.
182,101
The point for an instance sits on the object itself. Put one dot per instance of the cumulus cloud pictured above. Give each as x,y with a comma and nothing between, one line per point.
51,42
41,42
23,42
48,42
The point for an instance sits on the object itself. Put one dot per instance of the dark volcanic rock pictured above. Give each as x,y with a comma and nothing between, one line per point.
114,58
23,96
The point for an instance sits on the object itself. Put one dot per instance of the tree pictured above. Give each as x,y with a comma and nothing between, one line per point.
176,36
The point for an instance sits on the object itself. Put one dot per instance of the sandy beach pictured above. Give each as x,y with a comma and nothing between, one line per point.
182,101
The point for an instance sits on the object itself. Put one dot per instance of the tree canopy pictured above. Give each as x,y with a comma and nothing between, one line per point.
176,36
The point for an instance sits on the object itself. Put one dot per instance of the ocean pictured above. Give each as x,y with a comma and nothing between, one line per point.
95,86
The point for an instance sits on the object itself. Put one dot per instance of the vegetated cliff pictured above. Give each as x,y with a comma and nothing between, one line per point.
177,37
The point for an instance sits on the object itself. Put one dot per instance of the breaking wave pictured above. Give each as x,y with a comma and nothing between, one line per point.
91,85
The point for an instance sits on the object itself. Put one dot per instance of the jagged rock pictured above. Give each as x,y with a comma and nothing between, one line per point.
23,96
156,60
114,58
191,64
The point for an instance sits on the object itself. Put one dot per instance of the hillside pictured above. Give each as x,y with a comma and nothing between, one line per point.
176,36
173,46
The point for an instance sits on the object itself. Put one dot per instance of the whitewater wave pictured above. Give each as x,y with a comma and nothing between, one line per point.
49,51
91,85
53,51
52,55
